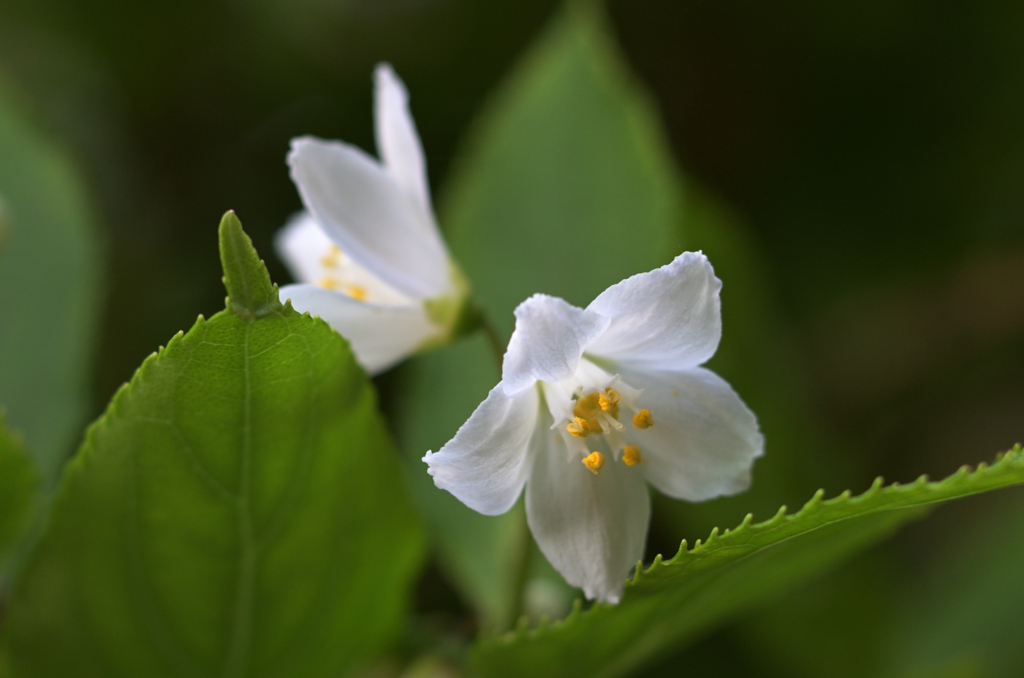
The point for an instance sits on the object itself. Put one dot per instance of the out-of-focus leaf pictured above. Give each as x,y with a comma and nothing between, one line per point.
49,272
566,187
670,602
480,554
18,483
236,512
963,610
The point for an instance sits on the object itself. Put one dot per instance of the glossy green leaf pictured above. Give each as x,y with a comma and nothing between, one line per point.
18,483
565,187
49,272
670,602
237,511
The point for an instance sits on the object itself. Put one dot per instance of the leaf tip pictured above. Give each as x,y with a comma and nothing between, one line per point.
250,292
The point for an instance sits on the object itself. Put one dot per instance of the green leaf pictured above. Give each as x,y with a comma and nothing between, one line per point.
18,484
481,555
49,271
237,511
976,622
565,187
670,602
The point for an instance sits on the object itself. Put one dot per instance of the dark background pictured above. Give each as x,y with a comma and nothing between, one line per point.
874,151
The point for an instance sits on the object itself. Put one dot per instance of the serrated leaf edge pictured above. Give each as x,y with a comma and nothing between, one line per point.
114,406
963,482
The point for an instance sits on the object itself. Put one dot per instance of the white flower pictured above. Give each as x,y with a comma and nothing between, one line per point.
367,251
595,403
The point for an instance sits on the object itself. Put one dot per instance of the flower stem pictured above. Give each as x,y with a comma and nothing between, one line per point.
524,554
494,340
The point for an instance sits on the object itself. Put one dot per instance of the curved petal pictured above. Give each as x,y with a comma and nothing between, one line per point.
547,342
381,336
591,528
485,464
668,318
302,244
312,257
364,211
397,141
704,439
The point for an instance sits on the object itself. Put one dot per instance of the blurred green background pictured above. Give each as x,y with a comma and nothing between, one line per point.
871,158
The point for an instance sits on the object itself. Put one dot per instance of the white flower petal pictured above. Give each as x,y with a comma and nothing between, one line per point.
548,341
397,141
591,528
302,244
669,318
380,335
704,439
313,258
486,463
364,211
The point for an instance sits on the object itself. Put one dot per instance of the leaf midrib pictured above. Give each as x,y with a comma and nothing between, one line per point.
241,629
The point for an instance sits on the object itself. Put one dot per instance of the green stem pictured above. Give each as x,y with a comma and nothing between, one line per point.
494,340
522,570
525,551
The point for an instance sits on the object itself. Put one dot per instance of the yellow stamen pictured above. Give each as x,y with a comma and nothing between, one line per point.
328,283
578,427
594,462
631,455
357,292
608,399
642,419
332,258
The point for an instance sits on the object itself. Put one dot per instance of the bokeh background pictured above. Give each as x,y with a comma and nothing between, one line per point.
869,157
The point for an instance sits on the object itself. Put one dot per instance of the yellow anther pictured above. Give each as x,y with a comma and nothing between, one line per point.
327,282
578,427
608,399
357,292
642,419
594,461
631,455
332,258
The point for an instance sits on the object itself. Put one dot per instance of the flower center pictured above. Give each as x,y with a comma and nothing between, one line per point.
338,272
598,413
357,292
